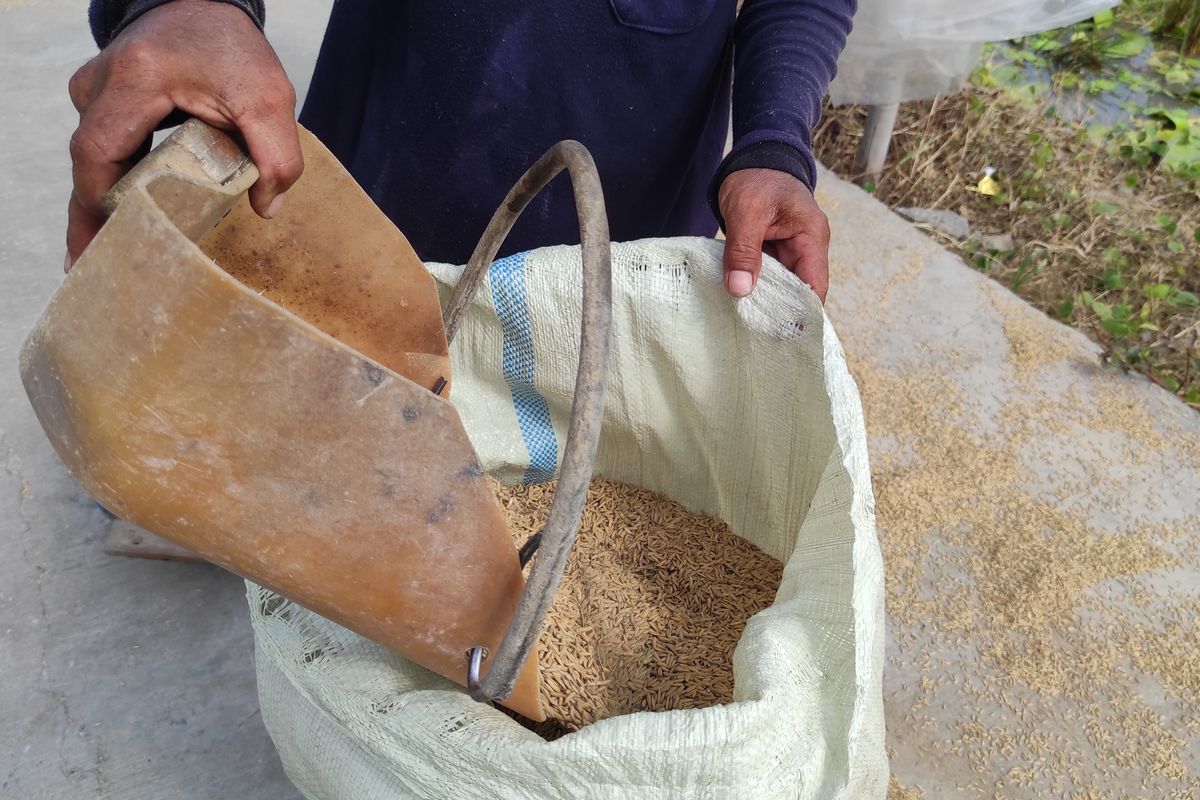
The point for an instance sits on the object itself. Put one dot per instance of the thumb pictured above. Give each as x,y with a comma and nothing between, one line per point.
743,252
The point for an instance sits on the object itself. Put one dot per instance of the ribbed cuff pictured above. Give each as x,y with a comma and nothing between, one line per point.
109,17
760,155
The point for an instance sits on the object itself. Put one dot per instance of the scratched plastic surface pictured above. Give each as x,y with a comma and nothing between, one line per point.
206,410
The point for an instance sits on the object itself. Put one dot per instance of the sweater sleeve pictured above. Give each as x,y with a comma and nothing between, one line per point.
109,17
785,55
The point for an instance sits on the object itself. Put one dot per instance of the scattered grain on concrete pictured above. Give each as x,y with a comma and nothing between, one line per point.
1028,616
898,791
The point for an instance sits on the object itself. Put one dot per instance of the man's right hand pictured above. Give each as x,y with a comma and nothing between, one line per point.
206,59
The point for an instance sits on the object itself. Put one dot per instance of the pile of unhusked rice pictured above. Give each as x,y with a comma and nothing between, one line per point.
651,606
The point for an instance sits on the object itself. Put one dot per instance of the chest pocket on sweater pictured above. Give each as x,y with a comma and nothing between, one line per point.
662,16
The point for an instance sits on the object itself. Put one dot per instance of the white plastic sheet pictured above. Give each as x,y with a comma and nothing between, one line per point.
904,50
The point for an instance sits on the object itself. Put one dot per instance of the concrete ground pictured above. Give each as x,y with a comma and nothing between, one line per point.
1037,513
1039,516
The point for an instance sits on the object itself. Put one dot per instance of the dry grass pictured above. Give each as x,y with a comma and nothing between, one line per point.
1083,218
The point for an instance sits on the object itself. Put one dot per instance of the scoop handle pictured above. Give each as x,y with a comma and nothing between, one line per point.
587,407
195,176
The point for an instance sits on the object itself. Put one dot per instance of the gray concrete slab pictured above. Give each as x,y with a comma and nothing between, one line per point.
1017,480
1038,515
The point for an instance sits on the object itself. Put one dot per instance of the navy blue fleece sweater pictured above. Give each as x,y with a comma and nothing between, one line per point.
437,108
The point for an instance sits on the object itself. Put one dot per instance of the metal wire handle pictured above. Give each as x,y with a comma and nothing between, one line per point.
587,407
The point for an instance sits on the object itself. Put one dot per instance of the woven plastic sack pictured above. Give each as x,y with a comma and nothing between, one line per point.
904,50
741,409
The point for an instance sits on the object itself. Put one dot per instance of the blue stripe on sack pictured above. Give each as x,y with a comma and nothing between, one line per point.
533,414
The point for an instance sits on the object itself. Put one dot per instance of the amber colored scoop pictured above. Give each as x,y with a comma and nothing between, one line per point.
261,392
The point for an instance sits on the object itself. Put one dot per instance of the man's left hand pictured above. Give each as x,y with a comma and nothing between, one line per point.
772,212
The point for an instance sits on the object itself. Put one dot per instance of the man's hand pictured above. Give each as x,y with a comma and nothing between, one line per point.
769,211
206,59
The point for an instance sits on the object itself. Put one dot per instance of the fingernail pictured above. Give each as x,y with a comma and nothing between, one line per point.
276,204
67,263
739,282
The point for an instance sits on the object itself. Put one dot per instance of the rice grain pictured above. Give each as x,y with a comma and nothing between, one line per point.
650,608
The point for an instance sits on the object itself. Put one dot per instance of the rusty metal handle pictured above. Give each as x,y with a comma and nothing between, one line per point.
587,407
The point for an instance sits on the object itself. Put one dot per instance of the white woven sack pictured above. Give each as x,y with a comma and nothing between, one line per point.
741,409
